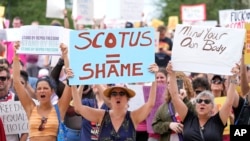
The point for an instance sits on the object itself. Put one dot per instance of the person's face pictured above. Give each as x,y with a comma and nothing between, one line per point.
43,91
118,97
161,78
198,90
80,27
4,81
16,23
216,85
163,34
204,106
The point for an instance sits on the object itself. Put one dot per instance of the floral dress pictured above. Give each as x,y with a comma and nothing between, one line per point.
125,133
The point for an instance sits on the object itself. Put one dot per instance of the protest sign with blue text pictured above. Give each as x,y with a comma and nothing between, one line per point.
111,56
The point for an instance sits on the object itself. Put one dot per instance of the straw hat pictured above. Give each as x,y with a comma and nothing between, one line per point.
130,92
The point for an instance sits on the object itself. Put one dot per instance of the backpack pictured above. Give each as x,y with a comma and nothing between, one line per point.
244,115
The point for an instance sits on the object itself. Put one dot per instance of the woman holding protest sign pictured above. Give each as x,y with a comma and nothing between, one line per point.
43,118
117,123
204,124
166,121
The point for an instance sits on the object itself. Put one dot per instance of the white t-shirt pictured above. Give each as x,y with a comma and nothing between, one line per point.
13,137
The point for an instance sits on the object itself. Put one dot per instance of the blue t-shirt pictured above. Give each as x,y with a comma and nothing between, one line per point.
90,130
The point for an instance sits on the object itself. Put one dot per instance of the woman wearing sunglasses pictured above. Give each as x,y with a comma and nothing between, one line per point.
43,119
117,124
204,124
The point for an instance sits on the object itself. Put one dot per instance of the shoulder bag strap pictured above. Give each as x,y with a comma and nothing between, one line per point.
202,136
172,113
103,120
170,109
238,118
58,113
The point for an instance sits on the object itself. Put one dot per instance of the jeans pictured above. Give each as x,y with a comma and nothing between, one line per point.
73,135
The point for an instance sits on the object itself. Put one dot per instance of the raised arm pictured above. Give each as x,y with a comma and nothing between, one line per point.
100,89
65,99
55,74
91,114
231,92
145,109
178,103
23,95
66,20
245,88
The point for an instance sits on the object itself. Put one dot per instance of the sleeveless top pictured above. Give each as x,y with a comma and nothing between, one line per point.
90,130
51,126
126,132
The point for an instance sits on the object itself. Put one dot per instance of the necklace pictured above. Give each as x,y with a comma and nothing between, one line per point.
5,98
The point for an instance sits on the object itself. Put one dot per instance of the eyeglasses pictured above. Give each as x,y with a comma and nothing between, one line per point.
198,91
3,78
117,93
216,82
206,101
42,125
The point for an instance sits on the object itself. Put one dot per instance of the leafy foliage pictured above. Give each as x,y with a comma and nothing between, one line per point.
28,10
172,7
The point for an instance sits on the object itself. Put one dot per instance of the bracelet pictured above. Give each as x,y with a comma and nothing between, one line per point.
234,81
67,81
66,16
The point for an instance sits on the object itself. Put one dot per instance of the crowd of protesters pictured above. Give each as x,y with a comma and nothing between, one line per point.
100,112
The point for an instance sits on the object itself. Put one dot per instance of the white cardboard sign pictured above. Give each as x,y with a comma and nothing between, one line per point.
207,49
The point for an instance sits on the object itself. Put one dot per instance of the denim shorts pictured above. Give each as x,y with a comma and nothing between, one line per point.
72,135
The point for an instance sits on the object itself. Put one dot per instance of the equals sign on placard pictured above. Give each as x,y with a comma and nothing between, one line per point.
112,58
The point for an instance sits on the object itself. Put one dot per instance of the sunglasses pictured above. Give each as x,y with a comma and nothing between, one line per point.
206,101
42,125
198,91
117,93
3,78
216,82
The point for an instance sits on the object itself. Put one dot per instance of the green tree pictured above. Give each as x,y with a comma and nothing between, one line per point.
29,10
172,7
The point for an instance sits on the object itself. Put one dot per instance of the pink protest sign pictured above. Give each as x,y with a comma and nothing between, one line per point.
159,100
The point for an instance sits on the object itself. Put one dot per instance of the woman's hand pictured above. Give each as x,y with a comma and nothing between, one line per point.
183,93
235,71
176,127
169,68
64,50
17,45
153,68
69,73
